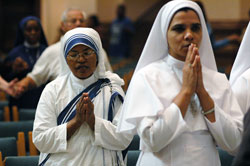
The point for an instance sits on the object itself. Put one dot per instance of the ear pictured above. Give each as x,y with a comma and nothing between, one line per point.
63,28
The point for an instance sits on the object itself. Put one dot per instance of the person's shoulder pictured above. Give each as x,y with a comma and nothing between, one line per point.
127,19
17,48
52,50
156,65
16,51
43,47
54,47
246,74
155,71
215,78
57,82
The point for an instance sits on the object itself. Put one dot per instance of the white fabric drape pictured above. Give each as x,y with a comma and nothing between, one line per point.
166,137
240,73
241,63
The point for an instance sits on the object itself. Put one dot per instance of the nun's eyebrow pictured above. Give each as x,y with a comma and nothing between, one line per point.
85,49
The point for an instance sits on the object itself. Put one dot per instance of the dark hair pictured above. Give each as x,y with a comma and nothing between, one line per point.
185,9
95,20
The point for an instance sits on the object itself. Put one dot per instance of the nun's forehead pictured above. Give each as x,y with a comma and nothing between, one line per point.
185,9
84,46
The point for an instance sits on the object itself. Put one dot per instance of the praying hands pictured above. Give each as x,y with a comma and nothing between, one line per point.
85,111
192,79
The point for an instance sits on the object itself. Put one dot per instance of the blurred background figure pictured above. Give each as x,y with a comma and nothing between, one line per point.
121,32
93,22
51,63
30,43
216,44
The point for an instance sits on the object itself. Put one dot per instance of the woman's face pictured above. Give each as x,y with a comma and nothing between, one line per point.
184,29
32,32
82,61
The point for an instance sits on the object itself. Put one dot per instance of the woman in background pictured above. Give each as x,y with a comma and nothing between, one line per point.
29,45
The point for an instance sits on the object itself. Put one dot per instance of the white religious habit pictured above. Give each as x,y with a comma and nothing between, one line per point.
168,139
240,73
85,147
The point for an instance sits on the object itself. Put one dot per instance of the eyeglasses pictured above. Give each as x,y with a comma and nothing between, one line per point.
76,55
74,21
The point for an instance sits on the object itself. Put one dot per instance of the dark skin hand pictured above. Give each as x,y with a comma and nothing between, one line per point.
193,83
84,113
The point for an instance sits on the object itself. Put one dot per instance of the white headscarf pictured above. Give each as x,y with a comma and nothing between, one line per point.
90,38
242,61
156,48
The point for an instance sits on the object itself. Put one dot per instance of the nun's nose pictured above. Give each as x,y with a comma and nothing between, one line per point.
189,35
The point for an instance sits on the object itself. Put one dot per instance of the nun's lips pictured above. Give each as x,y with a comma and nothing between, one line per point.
186,45
82,67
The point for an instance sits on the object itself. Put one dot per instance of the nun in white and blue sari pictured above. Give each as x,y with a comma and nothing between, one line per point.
75,129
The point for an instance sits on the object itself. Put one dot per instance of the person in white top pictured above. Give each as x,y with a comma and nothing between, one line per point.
177,102
51,63
240,73
75,122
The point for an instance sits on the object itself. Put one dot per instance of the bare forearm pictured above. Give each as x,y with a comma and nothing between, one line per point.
29,82
3,84
72,126
207,103
182,100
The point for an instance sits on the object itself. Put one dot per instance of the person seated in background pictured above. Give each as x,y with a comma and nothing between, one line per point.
76,117
177,102
29,45
217,44
51,63
93,22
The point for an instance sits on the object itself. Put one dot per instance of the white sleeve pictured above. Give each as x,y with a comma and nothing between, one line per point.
47,136
46,68
228,127
157,133
241,91
106,135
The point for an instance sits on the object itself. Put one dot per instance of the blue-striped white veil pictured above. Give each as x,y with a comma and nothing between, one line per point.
88,37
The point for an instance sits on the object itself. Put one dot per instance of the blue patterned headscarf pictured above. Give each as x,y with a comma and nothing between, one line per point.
88,37
77,39
20,31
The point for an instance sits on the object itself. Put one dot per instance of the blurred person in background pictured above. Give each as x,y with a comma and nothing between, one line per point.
29,45
217,44
121,32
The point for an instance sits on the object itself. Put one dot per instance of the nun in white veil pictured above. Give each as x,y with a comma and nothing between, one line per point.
180,110
76,117
240,73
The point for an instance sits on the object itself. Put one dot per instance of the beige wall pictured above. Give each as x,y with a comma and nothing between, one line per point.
232,10
51,10
106,9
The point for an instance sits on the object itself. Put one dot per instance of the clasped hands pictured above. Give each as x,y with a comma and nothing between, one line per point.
85,111
192,72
